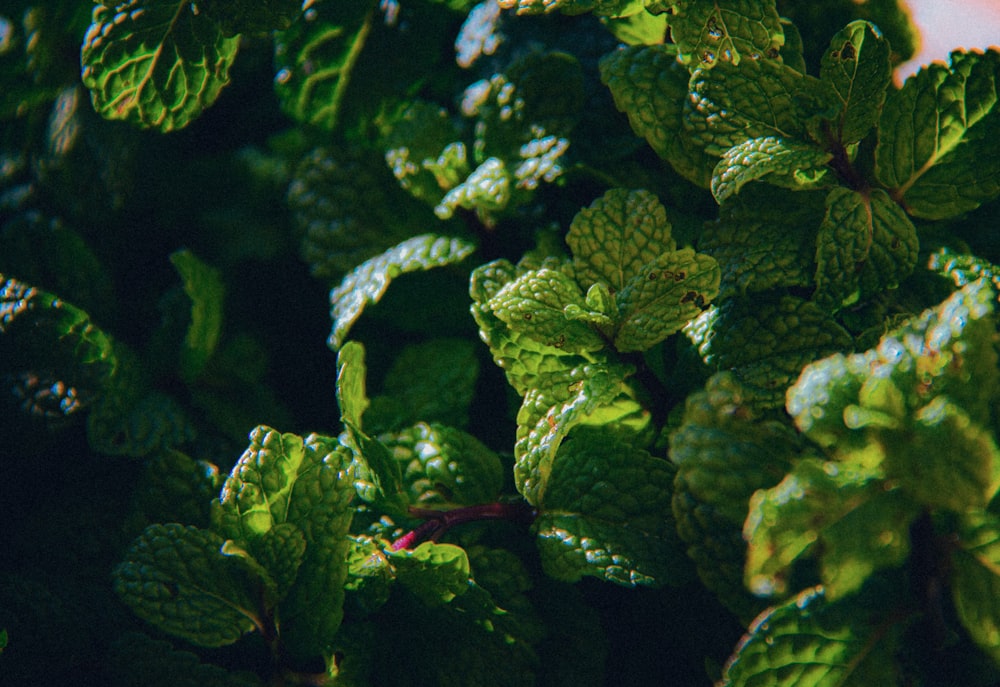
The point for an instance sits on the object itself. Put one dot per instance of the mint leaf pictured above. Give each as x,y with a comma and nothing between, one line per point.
774,159
845,512
975,581
252,16
650,86
810,640
730,104
176,488
423,150
857,65
434,573
938,144
155,63
486,190
176,578
620,527
725,30
368,282
614,238
866,244
315,56
136,659
611,8
203,285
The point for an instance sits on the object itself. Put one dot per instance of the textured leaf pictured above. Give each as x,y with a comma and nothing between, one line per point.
155,63
534,304
663,297
614,238
176,578
730,104
975,583
938,148
368,282
434,573
486,190
650,86
763,239
866,244
176,488
250,16
857,65
777,161
442,465
618,527
845,515
203,285
724,452
766,341
280,551
811,641
136,660
611,8
726,30
370,577
315,57
424,152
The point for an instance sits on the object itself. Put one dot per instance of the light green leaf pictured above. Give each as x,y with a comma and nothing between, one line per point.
663,297
725,30
203,285
314,59
730,104
618,527
650,86
766,341
176,578
351,372
857,66
776,160
434,573
641,28
866,244
368,282
619,234
155,63
939,149
812,641
975,582
486,190
842,513
533,305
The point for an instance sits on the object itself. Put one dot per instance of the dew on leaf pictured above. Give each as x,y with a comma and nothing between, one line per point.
283,76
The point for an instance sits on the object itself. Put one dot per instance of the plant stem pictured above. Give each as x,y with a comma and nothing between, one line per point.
437,522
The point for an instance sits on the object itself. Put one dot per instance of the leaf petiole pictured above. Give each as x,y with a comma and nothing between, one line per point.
437,522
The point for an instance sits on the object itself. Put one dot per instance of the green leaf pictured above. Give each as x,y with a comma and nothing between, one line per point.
280,551
486,190
155,63
442,465
352,399
176,488
776,160
725,30
760,98
368,282
975,581
641,28
251,16
812,641
857,65
176,578
614,238
611,8
533,305
314,59
766,341
619,527
434,573
762,240
203,285
663,297
370,576
136,660
650,86
938,147
866,244
844,514
724,451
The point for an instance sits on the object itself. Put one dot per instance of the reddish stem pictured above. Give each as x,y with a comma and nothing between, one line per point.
437,522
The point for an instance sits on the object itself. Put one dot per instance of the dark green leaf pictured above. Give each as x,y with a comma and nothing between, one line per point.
136,660
250,16
776,160
857,66
725,30
203,285
975,584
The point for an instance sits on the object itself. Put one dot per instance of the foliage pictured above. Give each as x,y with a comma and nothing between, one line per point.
644,316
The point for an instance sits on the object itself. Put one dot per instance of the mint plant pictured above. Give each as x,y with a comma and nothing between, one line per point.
662,345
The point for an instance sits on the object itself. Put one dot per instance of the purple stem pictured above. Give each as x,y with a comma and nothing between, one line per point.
437,522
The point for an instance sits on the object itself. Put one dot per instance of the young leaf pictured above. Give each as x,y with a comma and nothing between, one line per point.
975,582
155,63
812,641
176,578
315,56
939,149
842,511
776,160
857,66
203,285
726,30
866,244
619,527
619,234
434,573
650,86
368,282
